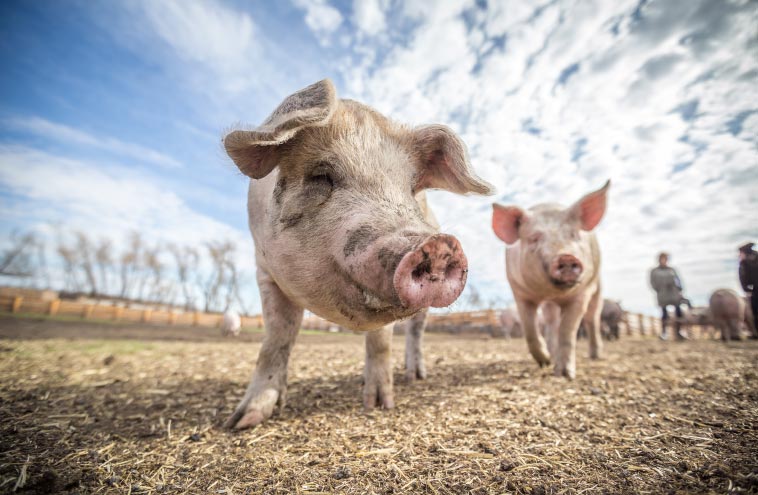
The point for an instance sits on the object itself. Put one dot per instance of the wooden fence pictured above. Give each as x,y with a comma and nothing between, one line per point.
47,303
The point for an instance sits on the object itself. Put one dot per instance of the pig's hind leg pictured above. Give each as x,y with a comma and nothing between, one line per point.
377,374
593,325
268,386
414,354
528,313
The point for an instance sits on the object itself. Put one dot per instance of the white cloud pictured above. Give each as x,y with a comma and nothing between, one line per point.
369,16
105,202
320,17
541,137
70,135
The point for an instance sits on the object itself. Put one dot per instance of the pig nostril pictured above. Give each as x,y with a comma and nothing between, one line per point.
450,269
421,269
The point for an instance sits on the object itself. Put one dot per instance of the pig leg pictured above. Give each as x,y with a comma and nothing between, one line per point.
592,324
377,375
551,313
571,315
528,312
414,355
268,387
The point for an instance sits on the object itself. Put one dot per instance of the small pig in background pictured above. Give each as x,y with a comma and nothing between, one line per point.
510,322
231,324
610,317
338,213
553,263
728,312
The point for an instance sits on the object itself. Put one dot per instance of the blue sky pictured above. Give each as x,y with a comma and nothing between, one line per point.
111,115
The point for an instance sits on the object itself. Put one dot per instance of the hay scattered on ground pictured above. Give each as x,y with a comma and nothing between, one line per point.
119,416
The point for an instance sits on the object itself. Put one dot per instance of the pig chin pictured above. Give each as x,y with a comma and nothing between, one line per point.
563,284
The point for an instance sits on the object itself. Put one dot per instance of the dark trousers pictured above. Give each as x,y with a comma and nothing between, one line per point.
677,324
754,307
665,313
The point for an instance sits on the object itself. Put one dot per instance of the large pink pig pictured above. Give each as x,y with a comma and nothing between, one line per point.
553,262
341,227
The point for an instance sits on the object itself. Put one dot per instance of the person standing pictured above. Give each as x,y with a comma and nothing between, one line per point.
668,288
749,281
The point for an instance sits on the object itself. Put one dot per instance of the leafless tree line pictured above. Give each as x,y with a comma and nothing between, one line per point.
204,277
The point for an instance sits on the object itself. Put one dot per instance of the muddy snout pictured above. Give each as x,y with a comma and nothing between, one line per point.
433,274
566,269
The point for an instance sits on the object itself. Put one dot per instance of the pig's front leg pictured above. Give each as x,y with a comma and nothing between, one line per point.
551,313
528,313
414,354
268,387
593,325
377,375
565,358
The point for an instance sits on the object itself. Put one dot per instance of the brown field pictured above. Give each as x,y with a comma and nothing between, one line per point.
138,410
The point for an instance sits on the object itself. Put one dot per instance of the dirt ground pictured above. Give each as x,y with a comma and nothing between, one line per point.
131,415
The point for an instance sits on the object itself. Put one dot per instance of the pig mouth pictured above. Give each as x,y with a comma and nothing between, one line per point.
366,303
562,284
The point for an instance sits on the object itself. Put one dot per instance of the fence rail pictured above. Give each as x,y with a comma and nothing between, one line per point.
42,303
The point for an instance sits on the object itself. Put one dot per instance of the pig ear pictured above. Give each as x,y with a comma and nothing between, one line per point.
255,151
591,208
506,221
444,162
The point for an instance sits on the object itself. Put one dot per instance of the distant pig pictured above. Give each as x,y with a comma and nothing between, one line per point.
338,213
553,262
610,317
728,311
231,323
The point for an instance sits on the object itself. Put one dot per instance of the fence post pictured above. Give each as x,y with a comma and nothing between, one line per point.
653,327
171,317
195,319
16,304
55,304
118,311
146,314
641,323
87,311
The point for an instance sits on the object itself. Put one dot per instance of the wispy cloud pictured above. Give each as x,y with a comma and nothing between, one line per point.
322,18
69,135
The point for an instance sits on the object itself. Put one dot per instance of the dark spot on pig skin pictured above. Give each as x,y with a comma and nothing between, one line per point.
389,259
291,221
281,185
359,239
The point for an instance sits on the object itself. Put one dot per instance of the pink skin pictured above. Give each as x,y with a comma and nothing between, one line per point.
338,213
553,263
433,274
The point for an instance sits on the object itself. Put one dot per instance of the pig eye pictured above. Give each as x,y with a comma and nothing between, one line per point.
534,237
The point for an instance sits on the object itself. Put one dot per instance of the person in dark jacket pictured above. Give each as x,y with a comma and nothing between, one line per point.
667,285
749,280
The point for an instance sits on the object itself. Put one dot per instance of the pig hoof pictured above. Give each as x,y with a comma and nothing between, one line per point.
377,395
415,374
565,372
242,420
255,409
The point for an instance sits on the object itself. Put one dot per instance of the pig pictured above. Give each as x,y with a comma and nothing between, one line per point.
553,263
510,323
728,311
610,317
231,323
341,226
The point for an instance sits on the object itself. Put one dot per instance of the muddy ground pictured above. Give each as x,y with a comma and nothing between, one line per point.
122,412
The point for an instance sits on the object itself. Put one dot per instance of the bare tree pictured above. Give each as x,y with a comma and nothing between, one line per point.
220,254
154,267
130,261
70,260
104,260
18,259
186,260
86,257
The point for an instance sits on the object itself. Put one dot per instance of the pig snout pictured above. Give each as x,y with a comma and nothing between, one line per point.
565,270
433,274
